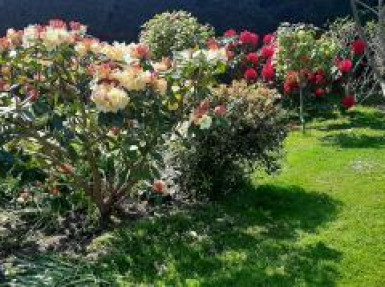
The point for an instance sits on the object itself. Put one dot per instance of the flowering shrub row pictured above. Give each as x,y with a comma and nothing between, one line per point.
294,56
311,69
98,118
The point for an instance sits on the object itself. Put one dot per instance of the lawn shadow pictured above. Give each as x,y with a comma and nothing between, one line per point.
352,140
373,119
249,240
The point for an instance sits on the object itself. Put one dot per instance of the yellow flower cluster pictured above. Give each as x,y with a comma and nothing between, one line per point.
53,37
126,73
132,78
88,45
109,98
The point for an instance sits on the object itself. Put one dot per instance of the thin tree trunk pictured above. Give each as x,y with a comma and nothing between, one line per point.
301,109
377,50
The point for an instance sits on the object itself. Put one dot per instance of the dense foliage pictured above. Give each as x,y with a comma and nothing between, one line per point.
121,20
176,31
96,123
236,130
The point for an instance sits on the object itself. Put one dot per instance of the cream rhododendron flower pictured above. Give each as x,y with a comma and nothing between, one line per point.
133,53
53,37
161,86
186,54
210,55
81,49
30,35
219,55
162,66
116,51
14,37
95,46
108,98
89,45
205,122
133,78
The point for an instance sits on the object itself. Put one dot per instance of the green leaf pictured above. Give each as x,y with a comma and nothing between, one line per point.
111,119
41,107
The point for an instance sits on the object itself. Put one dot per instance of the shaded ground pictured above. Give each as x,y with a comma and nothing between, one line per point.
321,222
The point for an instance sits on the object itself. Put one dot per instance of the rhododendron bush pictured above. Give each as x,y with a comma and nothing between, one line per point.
305,62
92,113
233,131
317,70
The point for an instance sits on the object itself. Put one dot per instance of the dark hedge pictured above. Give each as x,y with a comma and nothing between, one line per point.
121,19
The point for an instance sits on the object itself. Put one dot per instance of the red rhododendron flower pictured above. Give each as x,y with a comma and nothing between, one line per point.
250,38
251,75
252,58
204,106
66,169
292,78
288,88
230,33
319,77
268,72
220,110
202,110
115,131
312,77
345,66
159,187
58,24
4,86
268,39
231,46
320,93
33,94
267,51
212,44
76,26
4,43
230,54
143,51
349,101
291,83
55,191
358,47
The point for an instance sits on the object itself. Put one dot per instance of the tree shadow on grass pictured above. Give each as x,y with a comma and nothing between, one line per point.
352,140
372,119
250,239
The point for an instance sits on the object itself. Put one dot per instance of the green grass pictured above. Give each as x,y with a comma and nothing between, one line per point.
321,222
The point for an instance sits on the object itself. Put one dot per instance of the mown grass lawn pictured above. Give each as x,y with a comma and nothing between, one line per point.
320,222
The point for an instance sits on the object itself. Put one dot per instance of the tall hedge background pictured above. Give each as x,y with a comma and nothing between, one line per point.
121,19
